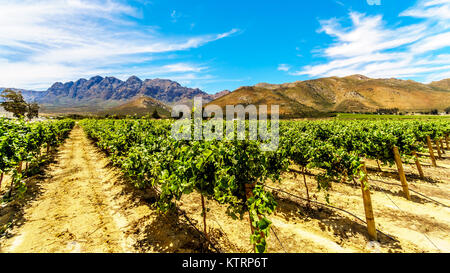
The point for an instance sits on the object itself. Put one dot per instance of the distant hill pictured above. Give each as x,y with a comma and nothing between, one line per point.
220,94
141,106
443,84
353,93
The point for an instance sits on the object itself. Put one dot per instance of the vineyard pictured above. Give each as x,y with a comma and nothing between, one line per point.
235,173
321,169
21,146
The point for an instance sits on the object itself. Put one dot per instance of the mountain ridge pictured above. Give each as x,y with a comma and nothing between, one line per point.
354,93
101,93
111,88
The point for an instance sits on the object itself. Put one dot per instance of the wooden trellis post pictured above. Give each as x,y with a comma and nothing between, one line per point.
447,141
370,219
204,215
419,167
401,172
248,195
442,145
19,170
430,148
438,149
379,166
20,167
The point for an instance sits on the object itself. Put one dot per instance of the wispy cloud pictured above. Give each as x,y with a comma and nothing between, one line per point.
340,3
283,67
175,15
430,9
54,40
226,34
370,47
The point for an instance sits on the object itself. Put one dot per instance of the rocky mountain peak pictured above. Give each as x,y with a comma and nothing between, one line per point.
96,79
133,79
112,89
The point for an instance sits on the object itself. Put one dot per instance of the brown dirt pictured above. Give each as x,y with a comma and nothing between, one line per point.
83,204
73,214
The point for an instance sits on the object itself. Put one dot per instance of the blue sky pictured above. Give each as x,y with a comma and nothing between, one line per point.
217,45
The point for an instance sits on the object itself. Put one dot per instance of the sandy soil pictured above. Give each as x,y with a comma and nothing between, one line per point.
73,214
83,204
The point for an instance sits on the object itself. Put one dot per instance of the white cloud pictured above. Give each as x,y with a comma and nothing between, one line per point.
174,15
57,40
226,34
438,76
370,47
367,36
432,43
283,67
430,9
183,67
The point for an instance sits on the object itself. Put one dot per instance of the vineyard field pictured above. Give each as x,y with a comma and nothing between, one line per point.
330,186
346,116
21,146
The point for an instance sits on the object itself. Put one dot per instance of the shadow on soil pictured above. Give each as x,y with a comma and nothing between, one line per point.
395,190
171,232
411,177
330,221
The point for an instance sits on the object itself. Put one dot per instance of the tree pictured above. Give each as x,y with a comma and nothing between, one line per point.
13,102
388,111
155,114
33,110
447,110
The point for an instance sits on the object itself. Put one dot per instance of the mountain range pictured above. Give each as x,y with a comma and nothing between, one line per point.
102,93
354,93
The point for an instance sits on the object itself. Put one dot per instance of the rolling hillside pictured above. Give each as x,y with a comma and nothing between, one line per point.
141,106
353,93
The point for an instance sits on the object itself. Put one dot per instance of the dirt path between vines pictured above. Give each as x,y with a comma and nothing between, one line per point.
76,210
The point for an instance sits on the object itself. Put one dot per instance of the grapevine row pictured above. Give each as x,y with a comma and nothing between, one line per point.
21,141
233,172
